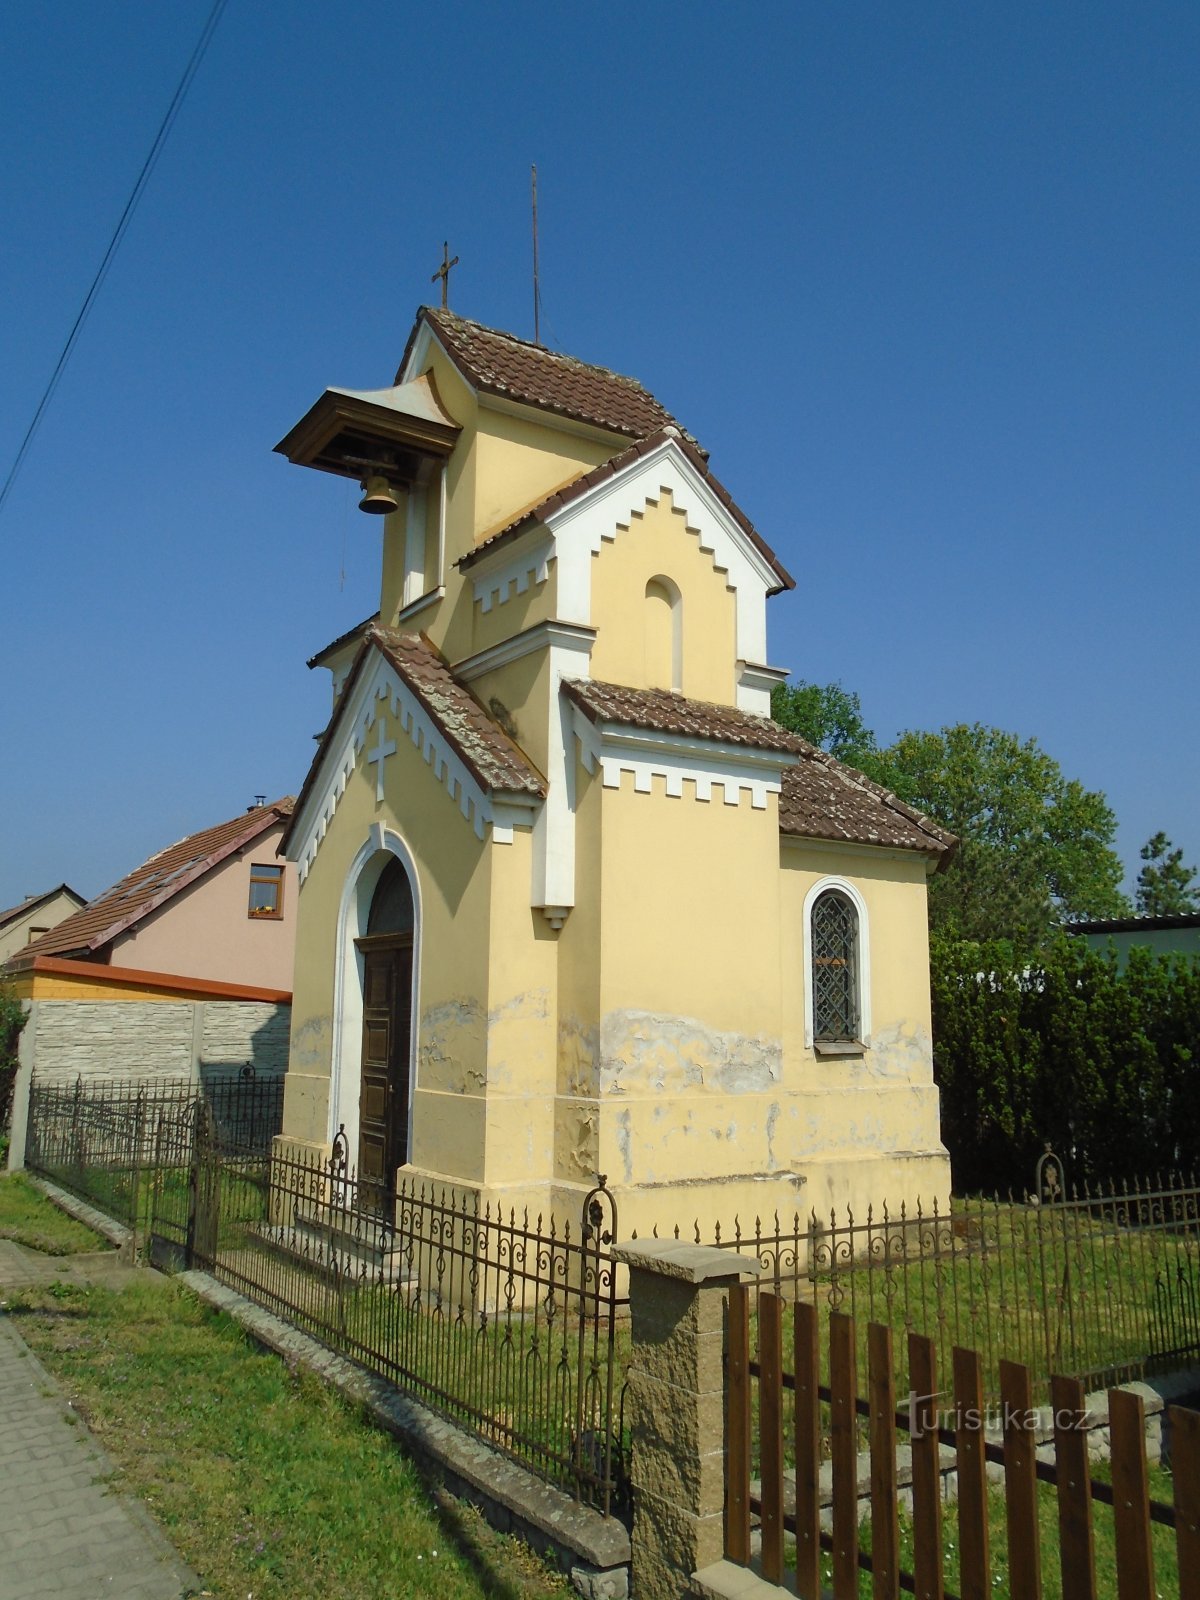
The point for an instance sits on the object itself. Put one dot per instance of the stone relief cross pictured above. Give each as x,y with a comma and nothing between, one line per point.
385,748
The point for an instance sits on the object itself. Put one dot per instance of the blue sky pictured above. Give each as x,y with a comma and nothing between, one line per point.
922,278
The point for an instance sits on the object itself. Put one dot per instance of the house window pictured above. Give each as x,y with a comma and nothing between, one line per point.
834,931
266,891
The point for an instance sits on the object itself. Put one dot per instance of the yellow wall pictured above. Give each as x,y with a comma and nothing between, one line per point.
655,544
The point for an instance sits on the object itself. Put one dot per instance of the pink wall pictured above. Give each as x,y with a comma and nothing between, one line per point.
205,931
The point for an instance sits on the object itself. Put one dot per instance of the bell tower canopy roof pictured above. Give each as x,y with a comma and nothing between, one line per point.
355,431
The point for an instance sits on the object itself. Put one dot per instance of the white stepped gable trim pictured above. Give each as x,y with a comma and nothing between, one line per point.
380,695
510,571
676,759
583,526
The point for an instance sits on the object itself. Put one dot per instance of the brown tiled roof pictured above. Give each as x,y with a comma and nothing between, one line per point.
495,760
825,799
154,883
607,469
822,797
497,764
501,364
665,712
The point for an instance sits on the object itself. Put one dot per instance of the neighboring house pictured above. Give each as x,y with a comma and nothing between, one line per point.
1178,935
183,968
36,915
570,902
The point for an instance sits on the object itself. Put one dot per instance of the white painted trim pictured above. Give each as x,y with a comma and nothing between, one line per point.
678,758
554,830
847,847
541,636
844,886
754,685
346,1058
509,570
416,522
418,605
381,689
583,526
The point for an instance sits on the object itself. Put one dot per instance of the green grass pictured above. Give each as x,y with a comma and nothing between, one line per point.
28,1218
263,1479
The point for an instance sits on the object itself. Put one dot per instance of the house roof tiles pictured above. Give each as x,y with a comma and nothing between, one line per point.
501,364
822,798
156,881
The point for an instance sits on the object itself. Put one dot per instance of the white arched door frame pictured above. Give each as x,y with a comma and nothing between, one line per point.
382,845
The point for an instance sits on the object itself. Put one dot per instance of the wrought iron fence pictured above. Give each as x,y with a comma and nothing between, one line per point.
126,1145
503,1322
1103,1284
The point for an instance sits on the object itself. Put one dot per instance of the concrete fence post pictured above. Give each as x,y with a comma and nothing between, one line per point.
676,1401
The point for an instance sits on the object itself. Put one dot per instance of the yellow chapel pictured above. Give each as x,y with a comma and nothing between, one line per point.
571,903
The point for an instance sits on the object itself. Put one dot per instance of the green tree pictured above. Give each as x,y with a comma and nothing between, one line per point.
830,716
1035,846
1164,886
12,1020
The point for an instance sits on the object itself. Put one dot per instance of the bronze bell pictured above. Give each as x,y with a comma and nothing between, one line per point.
378,496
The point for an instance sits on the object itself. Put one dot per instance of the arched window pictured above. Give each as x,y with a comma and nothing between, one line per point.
836,969
664,635
392,909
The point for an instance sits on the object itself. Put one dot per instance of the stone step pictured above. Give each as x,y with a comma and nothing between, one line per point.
317,1247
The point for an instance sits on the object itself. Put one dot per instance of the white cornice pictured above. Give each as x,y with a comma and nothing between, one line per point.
381,691
543,635
420,604
679,758
855,847
754,684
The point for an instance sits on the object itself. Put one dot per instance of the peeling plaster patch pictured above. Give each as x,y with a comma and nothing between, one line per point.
585,1145
772,1119
533,1005
452,1034
903,1052
649,1051
577,1054
625,1143
312,1044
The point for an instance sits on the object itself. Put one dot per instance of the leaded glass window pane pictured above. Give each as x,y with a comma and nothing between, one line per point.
392,909
835,967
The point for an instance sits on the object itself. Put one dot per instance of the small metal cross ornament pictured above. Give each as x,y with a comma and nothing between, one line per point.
443,272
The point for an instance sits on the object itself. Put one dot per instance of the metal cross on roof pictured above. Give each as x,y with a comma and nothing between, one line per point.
443,272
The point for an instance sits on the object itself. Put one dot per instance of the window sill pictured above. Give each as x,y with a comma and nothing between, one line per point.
839,1047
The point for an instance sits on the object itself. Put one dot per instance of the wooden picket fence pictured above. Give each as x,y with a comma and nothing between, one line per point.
779,1430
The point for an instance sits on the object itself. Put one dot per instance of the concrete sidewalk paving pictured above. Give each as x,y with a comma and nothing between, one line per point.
62,1532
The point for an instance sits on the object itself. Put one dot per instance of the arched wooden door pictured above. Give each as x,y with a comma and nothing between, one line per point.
385,1093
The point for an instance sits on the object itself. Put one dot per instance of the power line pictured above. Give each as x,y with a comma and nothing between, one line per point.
131,205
